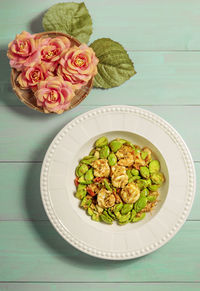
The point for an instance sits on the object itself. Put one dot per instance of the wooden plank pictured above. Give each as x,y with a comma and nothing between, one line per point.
20,199
162,78
99,286
138,25
26,134
33,251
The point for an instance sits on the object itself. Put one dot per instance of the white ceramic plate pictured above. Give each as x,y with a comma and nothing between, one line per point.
132,240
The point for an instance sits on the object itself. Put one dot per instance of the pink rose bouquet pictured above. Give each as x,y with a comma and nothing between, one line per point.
52,68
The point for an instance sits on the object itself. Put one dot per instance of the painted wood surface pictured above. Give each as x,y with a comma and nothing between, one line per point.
162,39
34,251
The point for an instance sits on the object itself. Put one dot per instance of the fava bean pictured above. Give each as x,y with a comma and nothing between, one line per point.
106,219
95,217
140,204
142,184
157,178
144,155
90,211
107,185
111,214
104,152
112,159
81,191
124,218
144,192
128,173
126,208
142,216
115,145
133,214
144,171
154,166
89,175
82,170
135,172
151,198
153,187
86,202
102,141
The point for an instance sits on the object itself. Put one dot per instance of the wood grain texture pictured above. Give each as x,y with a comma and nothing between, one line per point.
34,251
20,188
99,286
162,78
26,134
138,25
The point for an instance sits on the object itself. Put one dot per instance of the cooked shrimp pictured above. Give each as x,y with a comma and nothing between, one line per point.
119,176
101,168
131,193
105,198
126,156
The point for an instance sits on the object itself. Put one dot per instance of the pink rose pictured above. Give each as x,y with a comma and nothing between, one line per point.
51,49
31,76
54,94
22,51
78,65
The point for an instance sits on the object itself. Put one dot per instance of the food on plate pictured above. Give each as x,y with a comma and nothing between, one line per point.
118,181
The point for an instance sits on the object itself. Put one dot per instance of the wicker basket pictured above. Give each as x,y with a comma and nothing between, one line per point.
27,96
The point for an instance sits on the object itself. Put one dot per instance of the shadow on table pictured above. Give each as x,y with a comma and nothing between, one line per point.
48,235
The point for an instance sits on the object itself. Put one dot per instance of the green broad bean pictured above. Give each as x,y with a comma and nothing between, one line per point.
148,182
92,152
81,191
144,192
90,211
106,219
115,145
86,202
128,173
105,212
151,198
130,144
102,141
82,170
126,208
153,187
157,178
123,223
107,185
144,155
104,152
142,216
117,207
133,178
88,160
154,166
95,217
96,154
133,214
111,214
140,204
89,175
125,217
112,159
76,171
144,171
142,184
135,172
118,215
82,180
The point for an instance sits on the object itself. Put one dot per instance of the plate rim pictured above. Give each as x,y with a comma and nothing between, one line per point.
150,116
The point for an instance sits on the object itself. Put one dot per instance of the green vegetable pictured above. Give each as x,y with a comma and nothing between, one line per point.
81,191
72,18
140,204
115,145
117,208
126,208
102,141
86,202
77,171
144,192
106,219
142,184
107,185
95,217
133,214
90,211
82,170
142,216
82,180
144,155
154,166
88,160
89,175
135,172
128,173
104,152
153,187
124,218
111,213
157,178
151,198
114,67
112,159
144,171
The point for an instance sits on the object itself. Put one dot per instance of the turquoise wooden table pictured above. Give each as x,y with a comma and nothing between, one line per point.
163,39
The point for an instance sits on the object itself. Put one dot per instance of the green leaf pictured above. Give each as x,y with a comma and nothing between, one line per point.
114,67
72,18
